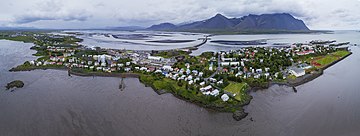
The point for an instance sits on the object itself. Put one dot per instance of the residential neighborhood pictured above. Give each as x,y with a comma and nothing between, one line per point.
209,74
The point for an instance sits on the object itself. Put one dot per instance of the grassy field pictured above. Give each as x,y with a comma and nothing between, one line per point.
323,61
191,93
239,89
26,39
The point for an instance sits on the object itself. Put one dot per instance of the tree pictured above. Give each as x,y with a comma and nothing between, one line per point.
280,75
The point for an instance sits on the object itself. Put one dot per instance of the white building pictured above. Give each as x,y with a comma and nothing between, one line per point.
298,72
225,97
155,58
215,93
230,63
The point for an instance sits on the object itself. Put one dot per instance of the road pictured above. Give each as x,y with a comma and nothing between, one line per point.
218,69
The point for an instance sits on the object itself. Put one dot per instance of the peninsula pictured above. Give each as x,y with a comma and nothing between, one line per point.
215,80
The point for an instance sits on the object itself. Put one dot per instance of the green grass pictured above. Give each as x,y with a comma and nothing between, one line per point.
239,89
341,53
170,54
26,39
329,58
291,77
191,94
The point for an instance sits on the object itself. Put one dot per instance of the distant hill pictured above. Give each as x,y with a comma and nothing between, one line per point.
126,28
281,22
218,22
162,27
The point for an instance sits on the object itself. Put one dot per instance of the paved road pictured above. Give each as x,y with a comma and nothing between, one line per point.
219,68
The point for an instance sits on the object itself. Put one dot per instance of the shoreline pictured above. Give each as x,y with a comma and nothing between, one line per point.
237,115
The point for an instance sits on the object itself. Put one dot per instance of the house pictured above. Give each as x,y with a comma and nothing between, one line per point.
228,59
127,63
156,58
211,68
119,65
191,82
298,72
206,88
201,74
190,77
158,71
259,71
239,74
225,97
38,64
90,62
32,62
202,83
215,93
96,64
305,66
230,63
127,69
167,68
143,68
213,80
99,68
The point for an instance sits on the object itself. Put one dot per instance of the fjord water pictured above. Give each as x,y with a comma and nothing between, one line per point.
51,103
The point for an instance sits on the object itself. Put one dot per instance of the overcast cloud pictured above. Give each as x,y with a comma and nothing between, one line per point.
319,14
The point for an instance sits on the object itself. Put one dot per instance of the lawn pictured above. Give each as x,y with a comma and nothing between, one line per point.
239,89
322,61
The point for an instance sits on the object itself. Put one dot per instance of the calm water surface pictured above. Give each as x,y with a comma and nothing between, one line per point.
51,103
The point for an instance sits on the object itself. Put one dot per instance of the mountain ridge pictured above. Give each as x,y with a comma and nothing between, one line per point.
258,23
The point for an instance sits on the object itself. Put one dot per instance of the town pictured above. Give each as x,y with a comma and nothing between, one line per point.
218,80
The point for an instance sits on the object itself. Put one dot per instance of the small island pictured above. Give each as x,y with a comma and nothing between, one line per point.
219,81
15,84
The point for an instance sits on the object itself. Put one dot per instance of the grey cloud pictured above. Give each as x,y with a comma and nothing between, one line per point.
100,13
51,10
33,18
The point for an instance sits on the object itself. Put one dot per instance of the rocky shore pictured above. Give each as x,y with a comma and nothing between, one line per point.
15,84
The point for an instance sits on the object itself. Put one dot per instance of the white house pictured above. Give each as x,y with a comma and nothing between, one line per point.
215,93
201,74
298,72
168,68
230,63
225,97
191,82
155,58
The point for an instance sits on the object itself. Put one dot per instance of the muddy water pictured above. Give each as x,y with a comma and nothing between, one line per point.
51,103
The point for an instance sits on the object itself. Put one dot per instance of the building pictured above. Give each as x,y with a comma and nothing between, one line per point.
225,97
215,93
230,63
155,58
298,72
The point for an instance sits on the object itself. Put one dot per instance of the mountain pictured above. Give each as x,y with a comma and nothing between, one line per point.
219,23
126,28
277,21
162,27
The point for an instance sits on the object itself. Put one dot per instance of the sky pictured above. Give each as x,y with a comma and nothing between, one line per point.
78,14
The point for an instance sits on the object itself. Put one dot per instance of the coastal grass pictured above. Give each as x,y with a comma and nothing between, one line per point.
171,54
25,39
189,93
239,89
322,61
